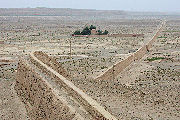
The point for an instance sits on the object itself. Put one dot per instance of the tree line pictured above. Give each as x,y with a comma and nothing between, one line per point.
87,31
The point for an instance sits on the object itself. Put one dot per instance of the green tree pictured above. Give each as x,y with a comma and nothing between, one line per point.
92,27
77,32
86,31
99,32
105,32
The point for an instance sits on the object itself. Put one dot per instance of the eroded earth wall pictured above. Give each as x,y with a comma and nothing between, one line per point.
112,35
51,62
90,105
38,96
114,70
41,98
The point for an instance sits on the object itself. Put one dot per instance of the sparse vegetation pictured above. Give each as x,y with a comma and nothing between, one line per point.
157,87
162,37
87,31
172,31
77,32
155,58
92,27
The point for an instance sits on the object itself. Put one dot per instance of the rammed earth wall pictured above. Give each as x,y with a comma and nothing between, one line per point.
51,62
38,96
90,105
114,70
40,100
113,35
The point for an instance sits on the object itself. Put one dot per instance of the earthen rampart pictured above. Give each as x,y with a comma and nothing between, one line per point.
43,103
126,35
40,100
114,70
112,35
90,105
51,62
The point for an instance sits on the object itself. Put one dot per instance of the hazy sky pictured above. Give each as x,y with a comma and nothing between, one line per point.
130,5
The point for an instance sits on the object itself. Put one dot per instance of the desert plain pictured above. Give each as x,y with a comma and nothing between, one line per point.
148,89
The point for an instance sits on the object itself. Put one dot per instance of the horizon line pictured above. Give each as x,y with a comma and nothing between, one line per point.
93,9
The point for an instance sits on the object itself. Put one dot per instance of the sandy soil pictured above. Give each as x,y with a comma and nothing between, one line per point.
11,107
145,90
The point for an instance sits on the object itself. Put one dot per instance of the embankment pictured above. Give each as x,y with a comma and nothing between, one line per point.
38,96
112,35
114,70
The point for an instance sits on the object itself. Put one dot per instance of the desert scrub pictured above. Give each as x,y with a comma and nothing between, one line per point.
103,67
162,37
172,31
155,58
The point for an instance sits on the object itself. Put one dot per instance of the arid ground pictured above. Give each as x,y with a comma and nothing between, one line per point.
148,89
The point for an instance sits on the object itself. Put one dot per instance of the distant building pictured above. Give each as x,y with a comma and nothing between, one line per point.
1,42
93,32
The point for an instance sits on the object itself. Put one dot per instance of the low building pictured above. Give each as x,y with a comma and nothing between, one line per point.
93,32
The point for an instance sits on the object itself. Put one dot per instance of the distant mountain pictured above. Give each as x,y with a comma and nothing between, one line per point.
152,13
40,11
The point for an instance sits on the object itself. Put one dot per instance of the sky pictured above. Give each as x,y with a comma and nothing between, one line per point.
126,5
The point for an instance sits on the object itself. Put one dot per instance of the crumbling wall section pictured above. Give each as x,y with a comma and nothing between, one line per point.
114,70
126,35
51,62
112,35
123,64
76,93
140,53
38,96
